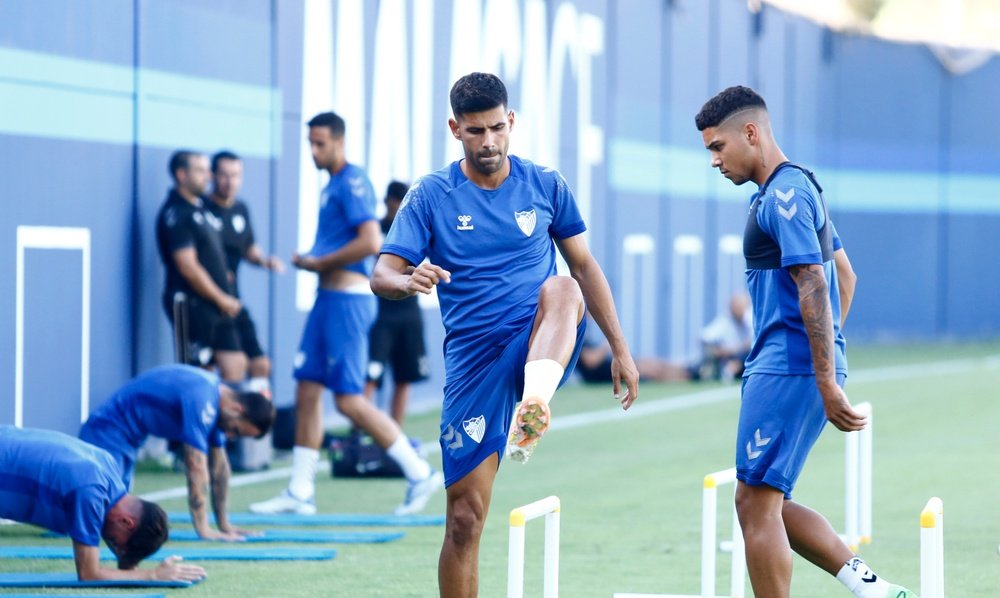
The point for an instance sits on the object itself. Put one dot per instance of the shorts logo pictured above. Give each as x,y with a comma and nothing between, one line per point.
757,442
463,222
452,439
475,428
375,370
208,414
300,358
526,221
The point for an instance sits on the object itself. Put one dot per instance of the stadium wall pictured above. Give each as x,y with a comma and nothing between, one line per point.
96,94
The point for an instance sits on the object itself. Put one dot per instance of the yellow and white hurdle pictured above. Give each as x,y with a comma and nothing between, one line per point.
549,508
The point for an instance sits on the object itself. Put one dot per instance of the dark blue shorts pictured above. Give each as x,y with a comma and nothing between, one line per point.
479,407
334,347
781,417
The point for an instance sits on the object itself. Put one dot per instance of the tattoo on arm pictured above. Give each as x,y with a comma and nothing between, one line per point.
197,478
817,316
220,486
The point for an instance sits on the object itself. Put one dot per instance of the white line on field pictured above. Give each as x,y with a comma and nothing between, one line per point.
663,405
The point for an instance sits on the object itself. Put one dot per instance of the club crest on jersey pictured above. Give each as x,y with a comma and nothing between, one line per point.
239,223
526,221
463,222
475,428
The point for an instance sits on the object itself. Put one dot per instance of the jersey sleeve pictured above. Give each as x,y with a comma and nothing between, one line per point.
89,509
359,205
791,218
566,219
180,228
837,243
410,233
200,416
248,236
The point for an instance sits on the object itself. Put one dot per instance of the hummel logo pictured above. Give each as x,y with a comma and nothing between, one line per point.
463,222
786,196
871,579
789,213
758,442
449,436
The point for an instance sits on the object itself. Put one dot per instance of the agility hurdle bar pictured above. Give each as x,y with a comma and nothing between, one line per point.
519,517
932,549
858,515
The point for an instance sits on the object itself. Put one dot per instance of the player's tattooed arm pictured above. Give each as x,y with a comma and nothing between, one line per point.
817,316
220,472
196,468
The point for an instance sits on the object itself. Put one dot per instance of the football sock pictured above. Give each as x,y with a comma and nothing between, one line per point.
541,379
303,482
858,577
402,452
259,385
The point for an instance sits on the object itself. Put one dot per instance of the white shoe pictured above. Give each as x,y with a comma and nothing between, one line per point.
418,493
284,503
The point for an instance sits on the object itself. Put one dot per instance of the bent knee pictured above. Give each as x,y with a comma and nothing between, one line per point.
561,291
466,517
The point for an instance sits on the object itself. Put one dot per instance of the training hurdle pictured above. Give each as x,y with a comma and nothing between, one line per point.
519,517
858,515
932,549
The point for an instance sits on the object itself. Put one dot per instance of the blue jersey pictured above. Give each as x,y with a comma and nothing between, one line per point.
57,482
791,213
347,202
497,244
176,402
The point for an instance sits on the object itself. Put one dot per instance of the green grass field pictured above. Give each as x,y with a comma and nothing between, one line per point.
631,492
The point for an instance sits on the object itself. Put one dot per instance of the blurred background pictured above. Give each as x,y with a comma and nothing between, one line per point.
891,103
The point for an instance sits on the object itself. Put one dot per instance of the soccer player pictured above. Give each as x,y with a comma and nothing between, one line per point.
397,338
333,352
239,243
794,377
487,224
190,246
67,486
188,405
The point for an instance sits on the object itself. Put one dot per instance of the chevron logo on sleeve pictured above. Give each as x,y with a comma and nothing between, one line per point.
786,196
789,213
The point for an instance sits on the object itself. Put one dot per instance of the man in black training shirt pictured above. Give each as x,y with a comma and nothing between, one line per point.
190,245
239,244
396,339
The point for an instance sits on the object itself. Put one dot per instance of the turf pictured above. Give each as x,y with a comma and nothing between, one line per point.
631,493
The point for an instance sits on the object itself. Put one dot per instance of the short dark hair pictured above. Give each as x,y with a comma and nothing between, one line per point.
477,92
258,410
147,537
181,160
726,102
223,155
397,190
331,121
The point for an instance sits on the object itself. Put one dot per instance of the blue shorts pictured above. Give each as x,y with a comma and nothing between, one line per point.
479,406
781,418
334,347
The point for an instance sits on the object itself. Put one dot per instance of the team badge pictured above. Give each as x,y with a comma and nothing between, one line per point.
239,223
475,428
526,221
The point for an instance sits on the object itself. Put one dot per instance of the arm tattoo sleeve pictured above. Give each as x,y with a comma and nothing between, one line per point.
814,302
197,479
220,486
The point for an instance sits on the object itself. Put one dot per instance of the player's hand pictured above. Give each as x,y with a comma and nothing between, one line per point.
624,373
425,277
221,536
839,411
244,533
171,569
274,264
305,262
230,305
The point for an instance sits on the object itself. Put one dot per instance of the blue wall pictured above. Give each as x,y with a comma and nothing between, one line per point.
95,94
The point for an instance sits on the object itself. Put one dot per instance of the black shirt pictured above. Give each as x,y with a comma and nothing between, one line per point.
237,233
181,224
391,308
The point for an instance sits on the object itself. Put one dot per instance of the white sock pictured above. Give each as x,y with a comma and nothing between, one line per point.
541,379
860,579
259,384
402,452
303,482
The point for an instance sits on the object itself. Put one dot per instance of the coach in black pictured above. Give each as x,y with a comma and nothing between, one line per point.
190,244
239,243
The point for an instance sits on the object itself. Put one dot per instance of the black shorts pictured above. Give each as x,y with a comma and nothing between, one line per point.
247,332
208,330
397,343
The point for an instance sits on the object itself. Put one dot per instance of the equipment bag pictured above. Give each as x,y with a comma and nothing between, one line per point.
357,456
